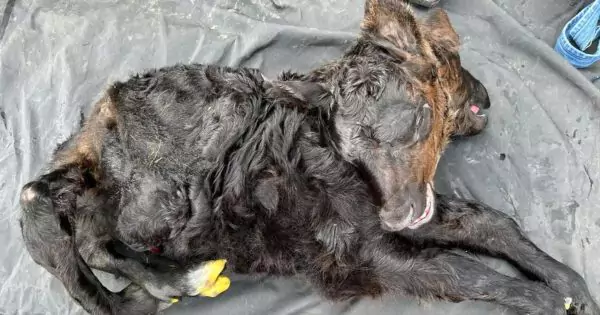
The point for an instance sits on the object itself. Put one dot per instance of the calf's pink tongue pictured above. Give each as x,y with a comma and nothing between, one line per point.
475,109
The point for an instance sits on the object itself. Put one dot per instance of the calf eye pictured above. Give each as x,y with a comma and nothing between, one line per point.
404,124
423,123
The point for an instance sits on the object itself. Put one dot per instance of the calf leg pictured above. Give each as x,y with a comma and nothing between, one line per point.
477,227
165,279
161,277
48,240
435,274
67,243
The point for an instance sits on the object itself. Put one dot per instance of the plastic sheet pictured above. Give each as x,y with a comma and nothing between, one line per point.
538,160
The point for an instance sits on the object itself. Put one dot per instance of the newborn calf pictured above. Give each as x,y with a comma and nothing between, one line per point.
327,175
277,198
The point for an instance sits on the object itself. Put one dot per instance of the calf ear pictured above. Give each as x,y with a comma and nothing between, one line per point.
391,25
439,31
314,94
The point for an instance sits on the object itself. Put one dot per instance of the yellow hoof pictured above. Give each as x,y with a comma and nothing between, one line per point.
213,270
174,300
220,285
568,302
215,267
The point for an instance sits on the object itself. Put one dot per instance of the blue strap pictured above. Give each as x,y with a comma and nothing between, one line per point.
585,27
582,29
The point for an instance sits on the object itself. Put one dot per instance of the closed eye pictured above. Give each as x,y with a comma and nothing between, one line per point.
405,126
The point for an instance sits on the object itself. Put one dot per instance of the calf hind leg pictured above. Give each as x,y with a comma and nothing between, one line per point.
475,226
68,247
455,278
48,240
163,278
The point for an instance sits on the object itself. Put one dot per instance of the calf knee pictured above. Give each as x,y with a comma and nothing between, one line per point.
35,196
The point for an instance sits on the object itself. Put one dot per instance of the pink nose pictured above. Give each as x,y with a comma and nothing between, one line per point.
475,109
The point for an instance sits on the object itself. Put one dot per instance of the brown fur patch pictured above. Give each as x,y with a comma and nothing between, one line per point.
437,28
428,48
396,26
85,150
431,149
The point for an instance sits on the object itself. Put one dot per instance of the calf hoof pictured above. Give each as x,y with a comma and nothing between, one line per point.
578,300
207,280
580,306
204,280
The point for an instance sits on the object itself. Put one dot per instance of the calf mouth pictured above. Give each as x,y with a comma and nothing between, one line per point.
477,110
475,107
419,213
427,212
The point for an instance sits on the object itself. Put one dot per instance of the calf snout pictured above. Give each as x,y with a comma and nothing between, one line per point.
411,208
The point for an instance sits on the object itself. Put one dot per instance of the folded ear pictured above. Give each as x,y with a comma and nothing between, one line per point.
312,94
392,25
439,31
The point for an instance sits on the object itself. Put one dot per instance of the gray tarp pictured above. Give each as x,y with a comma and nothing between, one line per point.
57,55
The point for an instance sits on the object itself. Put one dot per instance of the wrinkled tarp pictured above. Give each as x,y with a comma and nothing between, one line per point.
58,55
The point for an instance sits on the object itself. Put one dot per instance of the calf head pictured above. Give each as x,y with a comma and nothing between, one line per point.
404,94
